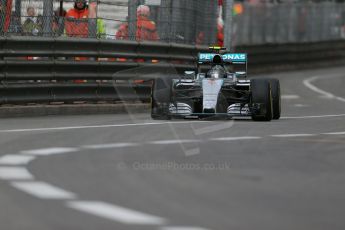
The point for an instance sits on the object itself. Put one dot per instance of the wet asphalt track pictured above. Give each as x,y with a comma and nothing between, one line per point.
102,172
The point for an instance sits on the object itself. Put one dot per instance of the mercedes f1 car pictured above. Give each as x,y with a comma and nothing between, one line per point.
217,90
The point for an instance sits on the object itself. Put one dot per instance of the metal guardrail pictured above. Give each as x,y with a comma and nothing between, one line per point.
70,92
51,78
57,58
17,46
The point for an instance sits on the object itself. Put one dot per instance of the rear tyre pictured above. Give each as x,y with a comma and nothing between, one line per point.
276,100
261,99
160,98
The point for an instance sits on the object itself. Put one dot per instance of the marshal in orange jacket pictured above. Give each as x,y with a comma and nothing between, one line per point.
76,24
146,29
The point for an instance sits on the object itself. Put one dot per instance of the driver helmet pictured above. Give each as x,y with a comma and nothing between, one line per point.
216,72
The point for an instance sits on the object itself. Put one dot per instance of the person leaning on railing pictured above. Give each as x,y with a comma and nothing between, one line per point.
58,24
76,23
15,26
122,32
101,31
146,28
33,25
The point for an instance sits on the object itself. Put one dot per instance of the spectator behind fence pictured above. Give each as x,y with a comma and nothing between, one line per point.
58,26
101,31
76,23
15,27
146,29
122,32
33,24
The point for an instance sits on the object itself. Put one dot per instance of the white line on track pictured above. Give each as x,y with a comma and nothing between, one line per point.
307,83
300,105
316,116
110,146
15,159
295,135
15,173
182,228
340,99
169,142
290,97
323,93
50,151
96,126
43,190
115,213
234,138
335,133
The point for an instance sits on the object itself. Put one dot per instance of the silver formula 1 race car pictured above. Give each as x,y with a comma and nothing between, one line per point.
217,90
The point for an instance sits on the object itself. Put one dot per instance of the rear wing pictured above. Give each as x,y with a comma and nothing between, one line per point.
233,58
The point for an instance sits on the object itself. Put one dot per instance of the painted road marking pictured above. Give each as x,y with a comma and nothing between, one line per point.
101,209
115,213
310,86
234,138
289,97
316,116
325,94
300,105
335,133
295,135
15,159
50,151
97,126
340,99
110,146
15,173
43,190
169,142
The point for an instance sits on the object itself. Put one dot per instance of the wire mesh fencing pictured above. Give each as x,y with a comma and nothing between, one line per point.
180,21
289,23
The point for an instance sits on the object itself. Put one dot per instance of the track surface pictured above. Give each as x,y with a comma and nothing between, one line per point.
100,172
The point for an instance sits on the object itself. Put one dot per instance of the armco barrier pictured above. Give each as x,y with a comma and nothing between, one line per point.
17,93
50,78
291,56
57,57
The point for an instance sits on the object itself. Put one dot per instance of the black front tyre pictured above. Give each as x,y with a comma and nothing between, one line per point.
261,100
160,98
276,99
